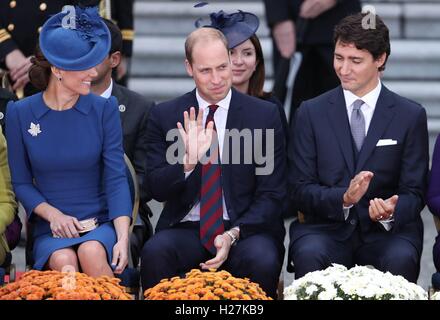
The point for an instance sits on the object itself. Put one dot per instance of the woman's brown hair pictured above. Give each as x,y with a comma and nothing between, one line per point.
256,82
40,71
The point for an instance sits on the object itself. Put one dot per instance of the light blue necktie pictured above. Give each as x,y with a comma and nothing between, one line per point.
357,124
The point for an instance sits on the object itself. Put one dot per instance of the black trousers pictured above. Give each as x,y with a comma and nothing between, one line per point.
175,251
315,76
317,251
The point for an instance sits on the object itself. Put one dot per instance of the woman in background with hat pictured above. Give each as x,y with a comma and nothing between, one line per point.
65,152
247,58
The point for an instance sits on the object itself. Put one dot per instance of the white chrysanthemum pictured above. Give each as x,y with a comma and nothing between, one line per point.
311,289
359,282
328,295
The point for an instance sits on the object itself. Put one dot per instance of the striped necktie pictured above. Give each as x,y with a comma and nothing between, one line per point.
211,204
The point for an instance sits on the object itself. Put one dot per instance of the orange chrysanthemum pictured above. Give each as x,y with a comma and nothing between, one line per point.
55,285
212,285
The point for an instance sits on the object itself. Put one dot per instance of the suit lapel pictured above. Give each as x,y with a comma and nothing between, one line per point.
190,100
233,121
337,113
382,116
122,102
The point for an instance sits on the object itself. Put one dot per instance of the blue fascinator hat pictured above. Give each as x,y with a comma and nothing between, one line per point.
237,27
75,39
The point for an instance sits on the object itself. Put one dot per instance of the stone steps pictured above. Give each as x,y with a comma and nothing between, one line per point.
405,19
161,27
426,93
163,56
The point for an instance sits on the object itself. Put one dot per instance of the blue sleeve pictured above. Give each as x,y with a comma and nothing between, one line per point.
115,179
163,180
433,195
21,172
311,197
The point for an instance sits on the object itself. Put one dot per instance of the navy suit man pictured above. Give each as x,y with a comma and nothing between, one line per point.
133,110
359,164
248,236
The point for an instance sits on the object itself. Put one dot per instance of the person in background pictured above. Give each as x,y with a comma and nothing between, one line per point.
5,97
433,198
247,60
306,26
133,111
8,205
20,26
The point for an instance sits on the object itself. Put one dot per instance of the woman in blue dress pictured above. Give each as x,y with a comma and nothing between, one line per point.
65,152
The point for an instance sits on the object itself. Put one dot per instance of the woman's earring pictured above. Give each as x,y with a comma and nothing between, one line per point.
59,79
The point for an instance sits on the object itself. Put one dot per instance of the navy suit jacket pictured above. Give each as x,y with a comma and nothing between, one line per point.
323,163
253,202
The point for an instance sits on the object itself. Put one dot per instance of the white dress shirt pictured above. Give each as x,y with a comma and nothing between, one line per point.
370,101
220,117
108,92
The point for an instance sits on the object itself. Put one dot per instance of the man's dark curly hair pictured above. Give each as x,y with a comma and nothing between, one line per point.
375,38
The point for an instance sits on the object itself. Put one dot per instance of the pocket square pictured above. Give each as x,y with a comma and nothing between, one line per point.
386,142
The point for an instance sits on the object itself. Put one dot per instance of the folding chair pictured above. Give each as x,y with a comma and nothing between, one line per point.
130,278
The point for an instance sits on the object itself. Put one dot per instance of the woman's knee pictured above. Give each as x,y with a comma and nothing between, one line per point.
91,251
63,258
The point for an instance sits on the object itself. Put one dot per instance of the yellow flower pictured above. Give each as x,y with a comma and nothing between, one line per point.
52,285
210,285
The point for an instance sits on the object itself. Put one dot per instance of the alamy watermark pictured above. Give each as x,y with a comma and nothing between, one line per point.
369,21
244,146
69,20
69,280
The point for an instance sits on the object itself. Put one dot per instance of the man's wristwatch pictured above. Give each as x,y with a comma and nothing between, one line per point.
232,236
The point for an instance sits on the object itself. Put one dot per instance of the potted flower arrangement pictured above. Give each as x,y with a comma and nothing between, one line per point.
212,285
55,285
358,283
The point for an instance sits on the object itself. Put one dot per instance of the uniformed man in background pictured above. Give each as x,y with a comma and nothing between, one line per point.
20,24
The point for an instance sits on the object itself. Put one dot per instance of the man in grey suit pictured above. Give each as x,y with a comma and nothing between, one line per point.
134,110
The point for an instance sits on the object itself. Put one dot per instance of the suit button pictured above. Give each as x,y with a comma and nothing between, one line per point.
352,221
13,4
43,6
11,27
